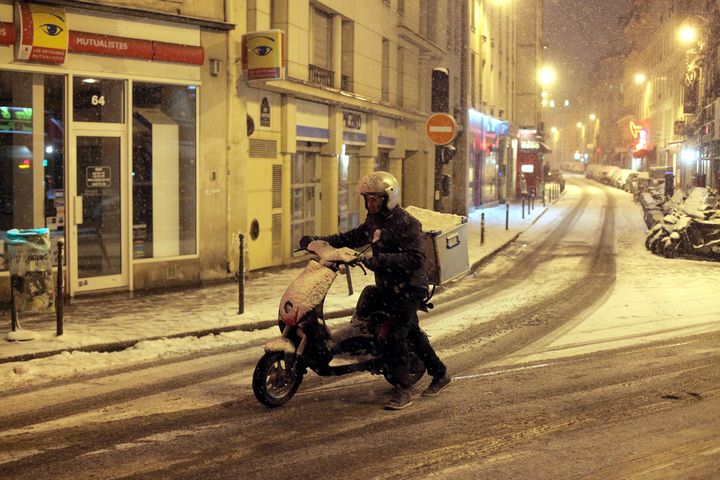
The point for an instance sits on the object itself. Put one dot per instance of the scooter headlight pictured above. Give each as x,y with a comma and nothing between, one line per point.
288,307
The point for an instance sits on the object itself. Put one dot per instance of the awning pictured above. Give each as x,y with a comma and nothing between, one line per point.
642,153
544,148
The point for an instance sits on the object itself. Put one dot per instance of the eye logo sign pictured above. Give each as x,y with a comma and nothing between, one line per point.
42,33
264,55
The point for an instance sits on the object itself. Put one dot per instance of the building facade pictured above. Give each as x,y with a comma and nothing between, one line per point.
654,102
143,143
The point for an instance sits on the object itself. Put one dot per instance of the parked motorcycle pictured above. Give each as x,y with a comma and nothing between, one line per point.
308,343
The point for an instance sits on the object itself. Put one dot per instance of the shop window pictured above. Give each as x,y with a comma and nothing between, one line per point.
305,194
32,176
98,100
164,159
348,197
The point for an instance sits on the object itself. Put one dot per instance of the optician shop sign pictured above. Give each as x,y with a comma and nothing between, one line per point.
40,34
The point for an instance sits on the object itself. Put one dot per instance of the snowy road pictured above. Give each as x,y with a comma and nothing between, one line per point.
575,353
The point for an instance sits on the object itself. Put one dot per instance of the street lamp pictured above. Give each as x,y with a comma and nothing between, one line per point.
687,34
592,117
640,78
546,75
579,124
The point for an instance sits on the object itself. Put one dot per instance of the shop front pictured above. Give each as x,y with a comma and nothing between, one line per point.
486,166
98,140
530,163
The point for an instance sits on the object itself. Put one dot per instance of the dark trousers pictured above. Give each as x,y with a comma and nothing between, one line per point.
403,328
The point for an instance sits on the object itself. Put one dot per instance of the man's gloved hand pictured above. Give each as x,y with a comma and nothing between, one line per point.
305,241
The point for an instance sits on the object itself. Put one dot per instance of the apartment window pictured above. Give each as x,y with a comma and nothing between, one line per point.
321,39
473,79
401,74
424,20
348,54
385,70
164,159
401,7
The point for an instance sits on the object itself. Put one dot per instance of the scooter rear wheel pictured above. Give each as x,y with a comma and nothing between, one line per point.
273,384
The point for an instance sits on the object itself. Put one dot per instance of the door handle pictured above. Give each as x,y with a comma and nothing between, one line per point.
78,212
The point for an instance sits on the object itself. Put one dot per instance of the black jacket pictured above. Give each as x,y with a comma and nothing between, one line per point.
399,257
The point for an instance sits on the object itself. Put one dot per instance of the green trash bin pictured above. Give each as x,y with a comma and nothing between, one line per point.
30,266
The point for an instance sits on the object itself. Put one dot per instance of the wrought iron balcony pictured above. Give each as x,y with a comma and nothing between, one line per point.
323,76
320,76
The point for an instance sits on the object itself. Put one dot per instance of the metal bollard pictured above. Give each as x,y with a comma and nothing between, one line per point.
523,208
532,203
482,228
13,312
241,277
507,216
59,295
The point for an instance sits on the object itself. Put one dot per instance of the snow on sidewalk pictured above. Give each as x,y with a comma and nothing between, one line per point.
121,319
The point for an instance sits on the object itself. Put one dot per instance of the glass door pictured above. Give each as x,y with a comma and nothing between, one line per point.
99,240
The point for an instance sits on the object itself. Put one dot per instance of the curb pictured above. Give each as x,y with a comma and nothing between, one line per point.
248,327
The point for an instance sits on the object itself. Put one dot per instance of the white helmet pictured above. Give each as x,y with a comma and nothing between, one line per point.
381,183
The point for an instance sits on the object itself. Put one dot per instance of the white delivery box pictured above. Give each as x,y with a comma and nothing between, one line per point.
446,248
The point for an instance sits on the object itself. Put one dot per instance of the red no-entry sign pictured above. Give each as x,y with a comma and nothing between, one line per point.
441,128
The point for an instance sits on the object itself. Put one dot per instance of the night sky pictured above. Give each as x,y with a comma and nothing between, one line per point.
577,33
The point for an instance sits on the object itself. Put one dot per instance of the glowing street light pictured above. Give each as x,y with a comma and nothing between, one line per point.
592,117
546,75
640,78
579,124
687,34
553,130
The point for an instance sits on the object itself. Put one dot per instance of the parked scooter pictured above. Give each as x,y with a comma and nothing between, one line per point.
660,232
694,236
308,343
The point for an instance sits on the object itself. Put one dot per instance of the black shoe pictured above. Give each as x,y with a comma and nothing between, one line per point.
437,384
399,400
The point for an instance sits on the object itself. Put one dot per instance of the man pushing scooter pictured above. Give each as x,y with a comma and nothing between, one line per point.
401,285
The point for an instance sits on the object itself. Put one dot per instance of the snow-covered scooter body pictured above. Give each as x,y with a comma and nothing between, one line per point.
308,343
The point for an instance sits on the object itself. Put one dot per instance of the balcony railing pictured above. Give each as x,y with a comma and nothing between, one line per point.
323,76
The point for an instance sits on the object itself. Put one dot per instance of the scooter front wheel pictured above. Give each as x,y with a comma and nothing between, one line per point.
273,383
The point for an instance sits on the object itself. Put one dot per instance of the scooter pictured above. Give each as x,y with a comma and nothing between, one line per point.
694,236
308,343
